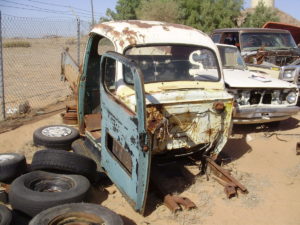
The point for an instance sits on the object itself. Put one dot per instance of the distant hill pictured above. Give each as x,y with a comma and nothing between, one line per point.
283,17
286,18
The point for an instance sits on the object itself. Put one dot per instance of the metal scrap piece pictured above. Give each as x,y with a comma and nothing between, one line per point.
173,202
225,175
229,188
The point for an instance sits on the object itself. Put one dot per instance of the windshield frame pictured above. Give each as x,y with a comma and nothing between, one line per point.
243,66
219,78
255,33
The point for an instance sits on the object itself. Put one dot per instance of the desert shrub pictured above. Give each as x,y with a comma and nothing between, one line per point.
16,44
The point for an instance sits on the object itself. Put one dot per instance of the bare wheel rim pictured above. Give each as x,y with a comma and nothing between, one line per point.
56,131
7,157
55,184
77,218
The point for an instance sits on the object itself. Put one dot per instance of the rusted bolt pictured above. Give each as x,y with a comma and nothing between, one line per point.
145,148
219,107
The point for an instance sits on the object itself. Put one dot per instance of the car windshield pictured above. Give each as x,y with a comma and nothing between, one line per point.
276,41
163,63
231,58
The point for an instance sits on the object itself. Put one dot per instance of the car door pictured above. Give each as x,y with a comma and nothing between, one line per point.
125,151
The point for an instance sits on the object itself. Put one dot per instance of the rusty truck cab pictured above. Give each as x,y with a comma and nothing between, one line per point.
150,88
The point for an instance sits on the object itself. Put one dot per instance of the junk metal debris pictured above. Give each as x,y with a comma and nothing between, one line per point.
173,202
229,182
70,116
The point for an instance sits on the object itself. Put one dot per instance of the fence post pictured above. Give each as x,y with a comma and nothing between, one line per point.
78,41
2,102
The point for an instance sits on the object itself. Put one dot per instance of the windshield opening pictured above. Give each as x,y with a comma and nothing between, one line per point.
231,58
163,63
254,41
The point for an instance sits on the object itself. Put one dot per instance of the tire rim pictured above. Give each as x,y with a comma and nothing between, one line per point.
77,218
51,184
4,158
56,131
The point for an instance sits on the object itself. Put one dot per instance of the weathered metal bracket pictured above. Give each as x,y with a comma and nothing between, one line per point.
173,202
229,182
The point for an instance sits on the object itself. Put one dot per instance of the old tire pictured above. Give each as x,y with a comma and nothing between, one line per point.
11,166
36,191
5,215
63,161
19,218
55,136
77,212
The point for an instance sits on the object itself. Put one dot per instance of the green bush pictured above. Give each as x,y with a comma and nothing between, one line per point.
16,44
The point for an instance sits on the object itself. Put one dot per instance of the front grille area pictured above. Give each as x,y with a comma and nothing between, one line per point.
262,96
265,97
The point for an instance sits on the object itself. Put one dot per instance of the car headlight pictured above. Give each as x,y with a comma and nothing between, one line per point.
291,97
288,74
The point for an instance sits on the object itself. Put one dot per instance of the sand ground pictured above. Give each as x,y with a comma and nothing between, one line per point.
267,166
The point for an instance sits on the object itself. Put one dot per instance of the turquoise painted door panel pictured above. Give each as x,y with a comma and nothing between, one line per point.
125,155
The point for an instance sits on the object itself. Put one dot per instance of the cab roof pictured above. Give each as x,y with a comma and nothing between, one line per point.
250,30
138,32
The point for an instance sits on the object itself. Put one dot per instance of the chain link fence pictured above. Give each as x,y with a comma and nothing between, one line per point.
31,60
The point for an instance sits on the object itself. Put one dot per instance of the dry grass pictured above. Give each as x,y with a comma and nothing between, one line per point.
17,44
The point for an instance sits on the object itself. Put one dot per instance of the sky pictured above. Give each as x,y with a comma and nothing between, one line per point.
291,7
82,8
42,18
56,9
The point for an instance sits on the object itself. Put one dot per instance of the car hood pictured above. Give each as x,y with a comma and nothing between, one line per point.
246,79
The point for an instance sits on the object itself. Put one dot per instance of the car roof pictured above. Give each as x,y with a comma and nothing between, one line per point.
249,30
137,32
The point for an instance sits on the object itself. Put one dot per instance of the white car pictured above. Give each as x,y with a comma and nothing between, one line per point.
258,97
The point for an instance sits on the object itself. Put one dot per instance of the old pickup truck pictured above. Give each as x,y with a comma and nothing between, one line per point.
259,98
272,52
148,89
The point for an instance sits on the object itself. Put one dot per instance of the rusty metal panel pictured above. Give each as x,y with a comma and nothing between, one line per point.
128,129
70,70
93,122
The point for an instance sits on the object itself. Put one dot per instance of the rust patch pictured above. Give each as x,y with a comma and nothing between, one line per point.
154,118
131,35
109,29
209,132
131,40
105,27
219,106
166,28
116,34
121,43
128,32
140,24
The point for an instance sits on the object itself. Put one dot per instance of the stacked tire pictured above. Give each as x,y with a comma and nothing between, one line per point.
55,187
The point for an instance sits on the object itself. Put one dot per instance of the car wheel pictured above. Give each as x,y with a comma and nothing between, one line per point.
55,136
36,191
11,166
63,161
19,218
5,215
77,213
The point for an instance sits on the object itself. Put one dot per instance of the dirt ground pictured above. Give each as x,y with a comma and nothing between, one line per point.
262,158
